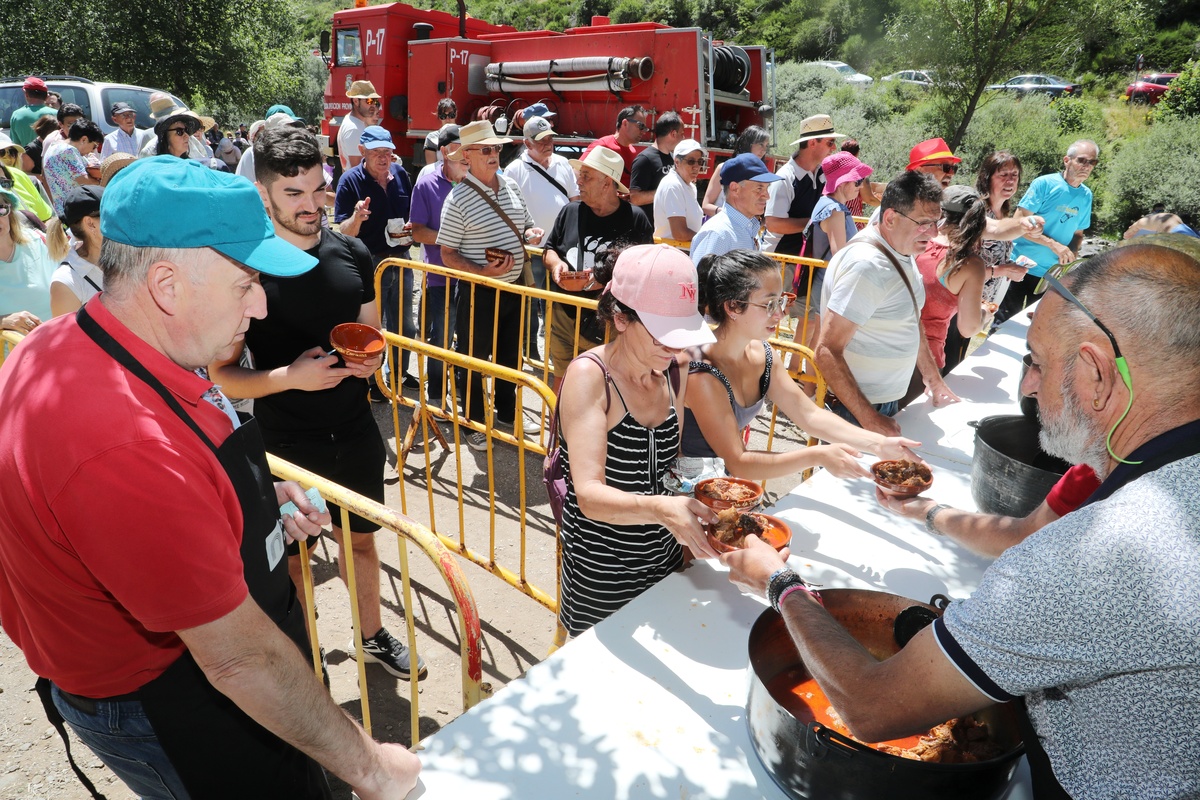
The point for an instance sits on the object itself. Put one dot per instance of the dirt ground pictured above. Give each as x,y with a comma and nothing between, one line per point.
517,631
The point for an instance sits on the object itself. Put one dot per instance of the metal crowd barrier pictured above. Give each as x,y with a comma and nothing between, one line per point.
9,340
407,532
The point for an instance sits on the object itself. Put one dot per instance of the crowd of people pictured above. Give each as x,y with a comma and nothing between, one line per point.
671,367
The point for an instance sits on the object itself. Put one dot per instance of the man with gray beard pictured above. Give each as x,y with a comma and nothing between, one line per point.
1092,621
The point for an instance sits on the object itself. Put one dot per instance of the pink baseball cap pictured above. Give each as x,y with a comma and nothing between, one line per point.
34,84
659,283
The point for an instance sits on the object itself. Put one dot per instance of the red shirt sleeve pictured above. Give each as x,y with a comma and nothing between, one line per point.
1072,489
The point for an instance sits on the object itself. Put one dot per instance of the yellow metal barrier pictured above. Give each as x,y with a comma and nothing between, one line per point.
9,340
406,531
802,368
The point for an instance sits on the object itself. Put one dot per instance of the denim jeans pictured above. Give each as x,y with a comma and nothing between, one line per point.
888,409
121,736
439,331
391,299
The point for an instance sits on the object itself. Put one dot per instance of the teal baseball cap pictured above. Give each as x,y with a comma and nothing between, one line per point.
180,203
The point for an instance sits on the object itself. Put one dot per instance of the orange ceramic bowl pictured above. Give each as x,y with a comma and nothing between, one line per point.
776,533
908,488
356,342
708,492
576,281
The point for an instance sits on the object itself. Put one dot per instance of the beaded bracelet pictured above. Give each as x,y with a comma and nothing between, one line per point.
782,583
799,587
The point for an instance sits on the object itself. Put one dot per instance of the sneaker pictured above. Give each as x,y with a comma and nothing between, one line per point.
324,668
411,383
477,441
385,650
376,396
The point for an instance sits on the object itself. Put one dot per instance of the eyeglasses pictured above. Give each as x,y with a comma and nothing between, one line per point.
179,131
1085,162
777,306
695,162
1050,281
485,150
859,182
10,152
921,226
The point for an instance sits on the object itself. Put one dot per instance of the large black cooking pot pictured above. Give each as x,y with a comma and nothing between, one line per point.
811,762
1010,474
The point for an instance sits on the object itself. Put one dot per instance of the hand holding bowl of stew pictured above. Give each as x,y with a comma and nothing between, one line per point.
356,342
722,493
901,478
575,281
734,526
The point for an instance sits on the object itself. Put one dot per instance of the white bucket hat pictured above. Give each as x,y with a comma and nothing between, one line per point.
606,162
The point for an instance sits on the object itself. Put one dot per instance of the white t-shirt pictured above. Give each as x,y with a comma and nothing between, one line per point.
862,285
82,277
347,139
245,166
674,197
542,198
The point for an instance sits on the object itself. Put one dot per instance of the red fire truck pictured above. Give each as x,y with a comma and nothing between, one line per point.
415,57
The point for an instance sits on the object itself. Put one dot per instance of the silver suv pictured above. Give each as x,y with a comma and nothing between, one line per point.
94,97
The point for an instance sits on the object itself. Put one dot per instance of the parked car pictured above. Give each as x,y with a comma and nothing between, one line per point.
94,97
917,77
1149,88
1050,85
846,72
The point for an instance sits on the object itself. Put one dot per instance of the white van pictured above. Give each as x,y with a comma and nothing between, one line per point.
94,97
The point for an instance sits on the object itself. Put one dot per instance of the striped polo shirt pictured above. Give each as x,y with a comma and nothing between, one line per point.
470,225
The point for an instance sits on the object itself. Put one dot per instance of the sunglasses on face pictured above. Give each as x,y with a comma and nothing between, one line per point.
178,131
5,183
485,150
445,116
859,182
947,169
695,162
4,210
641,126
1086,162
371,101
10,152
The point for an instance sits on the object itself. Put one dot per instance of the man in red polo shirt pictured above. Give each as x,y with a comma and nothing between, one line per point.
631,127
142,568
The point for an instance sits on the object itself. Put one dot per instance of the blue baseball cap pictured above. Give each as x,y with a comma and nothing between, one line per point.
746,167
376,136
280,108
538,110
180,203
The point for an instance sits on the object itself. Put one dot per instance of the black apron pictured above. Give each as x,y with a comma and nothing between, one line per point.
1169,447
806,194
219,751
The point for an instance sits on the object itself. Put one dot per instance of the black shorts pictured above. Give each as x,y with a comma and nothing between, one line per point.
352,457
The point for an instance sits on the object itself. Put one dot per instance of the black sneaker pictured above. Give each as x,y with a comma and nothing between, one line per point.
376,395
385,650
411,383
324,669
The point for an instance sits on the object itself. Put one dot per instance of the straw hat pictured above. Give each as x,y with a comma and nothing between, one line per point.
819,126
362,90
477,132
606,162
114,164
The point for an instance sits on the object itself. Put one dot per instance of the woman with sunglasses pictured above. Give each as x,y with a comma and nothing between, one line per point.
25,270
174,134
677,213
13,178
731,379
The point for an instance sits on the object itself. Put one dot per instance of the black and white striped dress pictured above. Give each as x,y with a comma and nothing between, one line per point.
605,566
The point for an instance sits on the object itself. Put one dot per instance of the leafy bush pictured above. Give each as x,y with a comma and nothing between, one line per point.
1078,117
1027,127
800,92
1159,166
1182,98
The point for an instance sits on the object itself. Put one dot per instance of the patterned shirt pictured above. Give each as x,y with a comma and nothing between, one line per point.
1095,619
61,167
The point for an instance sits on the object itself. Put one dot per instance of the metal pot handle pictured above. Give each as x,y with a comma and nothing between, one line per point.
824,742
940,602
974,423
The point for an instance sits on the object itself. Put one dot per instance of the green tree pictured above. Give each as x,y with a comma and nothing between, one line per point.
1182,98
246,52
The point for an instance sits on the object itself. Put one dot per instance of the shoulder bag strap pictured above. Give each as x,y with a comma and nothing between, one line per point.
548,177
903,275
553,440
496,207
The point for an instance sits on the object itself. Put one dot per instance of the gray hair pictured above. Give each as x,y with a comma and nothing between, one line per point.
1147,295
1074,148
126,266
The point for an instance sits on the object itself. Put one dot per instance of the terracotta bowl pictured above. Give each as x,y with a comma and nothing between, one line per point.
576,281
356,342
991,308
495,254
777,534
703,489
896,489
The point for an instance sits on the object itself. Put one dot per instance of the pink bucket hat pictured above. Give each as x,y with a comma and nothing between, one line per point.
840,168
659,283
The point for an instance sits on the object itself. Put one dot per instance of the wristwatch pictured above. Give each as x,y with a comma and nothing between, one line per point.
929,516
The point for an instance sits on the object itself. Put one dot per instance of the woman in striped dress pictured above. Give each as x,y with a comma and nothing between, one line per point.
622,532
